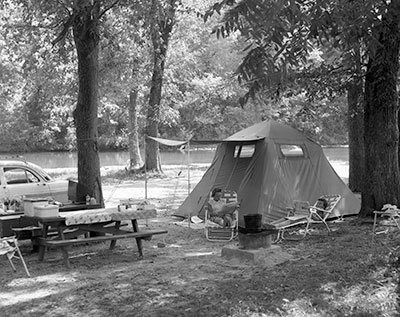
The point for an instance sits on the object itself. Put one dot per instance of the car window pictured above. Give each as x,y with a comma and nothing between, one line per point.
41,172
17,175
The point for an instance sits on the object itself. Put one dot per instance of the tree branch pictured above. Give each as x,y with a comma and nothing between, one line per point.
108,8
64,31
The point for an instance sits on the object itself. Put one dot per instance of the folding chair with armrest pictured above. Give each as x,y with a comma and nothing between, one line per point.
296,215
8,247
303,213
214,231
320,215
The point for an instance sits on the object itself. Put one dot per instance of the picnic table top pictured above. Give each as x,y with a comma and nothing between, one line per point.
100,215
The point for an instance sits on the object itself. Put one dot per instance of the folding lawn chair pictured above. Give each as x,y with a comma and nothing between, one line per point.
296,215
8,247
392,215
214,231
320,215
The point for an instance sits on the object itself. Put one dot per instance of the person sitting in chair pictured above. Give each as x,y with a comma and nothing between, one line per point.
321,204
221,212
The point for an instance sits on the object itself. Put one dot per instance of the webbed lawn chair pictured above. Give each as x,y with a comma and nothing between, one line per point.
320,215
296,215
8,247
391,213
214,231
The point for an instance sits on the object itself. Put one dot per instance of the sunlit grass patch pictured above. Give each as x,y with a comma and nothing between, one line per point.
116,174
63,173
26,289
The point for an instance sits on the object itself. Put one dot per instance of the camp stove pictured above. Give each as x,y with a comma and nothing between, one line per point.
255,243
256,238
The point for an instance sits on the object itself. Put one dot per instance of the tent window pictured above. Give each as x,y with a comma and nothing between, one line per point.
244,150
291,150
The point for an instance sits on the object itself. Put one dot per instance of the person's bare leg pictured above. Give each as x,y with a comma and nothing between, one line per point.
227,220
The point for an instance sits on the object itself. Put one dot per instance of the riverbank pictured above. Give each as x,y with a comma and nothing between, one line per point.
117,184
350,272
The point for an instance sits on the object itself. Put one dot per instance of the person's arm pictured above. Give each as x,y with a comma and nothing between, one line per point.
211,211
233,204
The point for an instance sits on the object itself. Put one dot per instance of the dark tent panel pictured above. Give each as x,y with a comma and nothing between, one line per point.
269,165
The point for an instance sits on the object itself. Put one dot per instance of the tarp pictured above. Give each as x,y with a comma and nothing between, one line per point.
169,142
270,165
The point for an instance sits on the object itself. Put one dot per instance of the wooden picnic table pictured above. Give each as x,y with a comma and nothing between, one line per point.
77,227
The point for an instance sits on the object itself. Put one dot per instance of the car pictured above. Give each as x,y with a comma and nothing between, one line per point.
20,180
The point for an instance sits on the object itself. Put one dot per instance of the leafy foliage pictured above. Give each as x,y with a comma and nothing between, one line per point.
282,34
201,96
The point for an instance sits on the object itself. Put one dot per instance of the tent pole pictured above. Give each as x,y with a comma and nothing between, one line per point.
188,166
188,171
145,169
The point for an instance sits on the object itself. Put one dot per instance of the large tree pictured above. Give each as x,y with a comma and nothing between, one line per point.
280,34
83,16
85,23
84,19
162,22
381,113
355,115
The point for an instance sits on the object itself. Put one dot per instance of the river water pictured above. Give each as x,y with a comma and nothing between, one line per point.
337,156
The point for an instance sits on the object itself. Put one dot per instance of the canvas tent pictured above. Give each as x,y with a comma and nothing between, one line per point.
270,165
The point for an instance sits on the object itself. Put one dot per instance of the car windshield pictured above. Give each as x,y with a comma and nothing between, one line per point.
40,171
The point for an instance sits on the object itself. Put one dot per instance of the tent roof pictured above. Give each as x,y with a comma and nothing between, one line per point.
258,131
267,129
255,132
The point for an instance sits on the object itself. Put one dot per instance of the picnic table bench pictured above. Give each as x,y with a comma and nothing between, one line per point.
75,228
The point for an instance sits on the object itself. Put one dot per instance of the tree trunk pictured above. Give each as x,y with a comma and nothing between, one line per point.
153,115
381,131
86,37
135,159
161,28
355,98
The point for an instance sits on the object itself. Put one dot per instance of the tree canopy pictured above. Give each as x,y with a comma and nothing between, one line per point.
39,80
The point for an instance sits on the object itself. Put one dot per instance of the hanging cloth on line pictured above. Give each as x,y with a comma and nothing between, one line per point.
180,143
168,142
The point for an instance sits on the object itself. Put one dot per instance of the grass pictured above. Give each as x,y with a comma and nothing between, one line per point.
349,272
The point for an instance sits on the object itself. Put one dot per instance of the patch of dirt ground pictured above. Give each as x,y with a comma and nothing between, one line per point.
349,272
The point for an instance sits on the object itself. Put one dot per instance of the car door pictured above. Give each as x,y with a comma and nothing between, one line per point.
22,181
